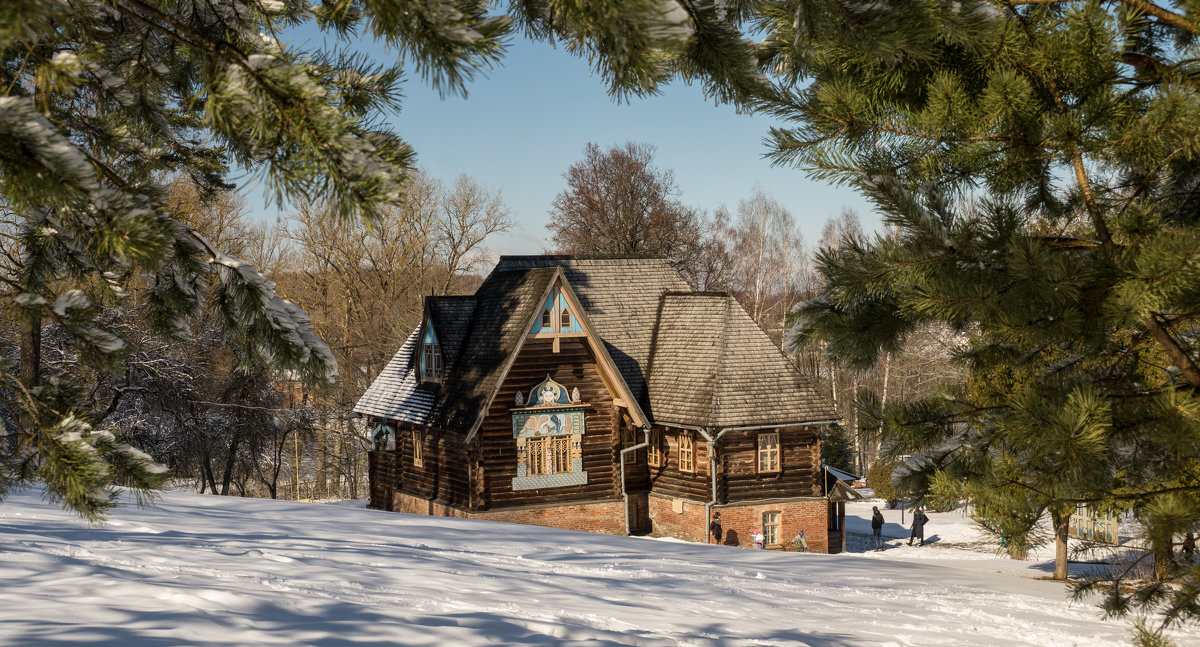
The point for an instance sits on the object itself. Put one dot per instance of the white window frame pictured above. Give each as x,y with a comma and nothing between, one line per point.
769,452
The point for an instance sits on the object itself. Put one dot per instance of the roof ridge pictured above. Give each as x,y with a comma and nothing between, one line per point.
696,293
716,392
652,354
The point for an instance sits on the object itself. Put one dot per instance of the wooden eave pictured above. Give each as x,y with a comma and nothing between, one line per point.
609,374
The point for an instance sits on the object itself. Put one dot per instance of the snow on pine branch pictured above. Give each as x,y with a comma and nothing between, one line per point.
287,335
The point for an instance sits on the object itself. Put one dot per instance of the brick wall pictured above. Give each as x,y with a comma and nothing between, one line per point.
676,517
810,515
605,517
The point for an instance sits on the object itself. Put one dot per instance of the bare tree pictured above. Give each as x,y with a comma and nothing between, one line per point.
471,213
770,270
618,203
364,288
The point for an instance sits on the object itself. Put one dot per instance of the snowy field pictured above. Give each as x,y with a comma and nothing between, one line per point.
204,570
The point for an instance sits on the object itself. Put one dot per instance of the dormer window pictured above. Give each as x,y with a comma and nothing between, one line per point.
565,319
547,321
431,362
432,367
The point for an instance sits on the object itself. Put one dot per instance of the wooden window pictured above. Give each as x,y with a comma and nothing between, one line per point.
629,438
560,454
768,452
547,320
418,443
431,367
770,528
535,452
687,452
654,453
565,319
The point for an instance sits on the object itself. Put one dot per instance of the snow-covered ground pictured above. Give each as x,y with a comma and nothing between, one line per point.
204,570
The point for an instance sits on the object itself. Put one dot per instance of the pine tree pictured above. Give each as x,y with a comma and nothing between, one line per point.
102,100
1039,161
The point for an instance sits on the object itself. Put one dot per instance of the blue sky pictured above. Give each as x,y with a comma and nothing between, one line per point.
524,123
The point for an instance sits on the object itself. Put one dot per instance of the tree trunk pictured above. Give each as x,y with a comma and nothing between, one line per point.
31,353
1162,560
229,462
339,467
887,373
321,459
1060,523
207,472
31,376
859,459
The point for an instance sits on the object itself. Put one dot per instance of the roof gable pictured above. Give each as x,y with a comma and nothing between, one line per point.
504,307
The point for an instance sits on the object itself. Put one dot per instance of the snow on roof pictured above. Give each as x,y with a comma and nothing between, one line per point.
395,394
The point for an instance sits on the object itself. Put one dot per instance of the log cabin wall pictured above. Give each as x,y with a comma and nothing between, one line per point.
573,367
444,474
381,470
799,474
670,480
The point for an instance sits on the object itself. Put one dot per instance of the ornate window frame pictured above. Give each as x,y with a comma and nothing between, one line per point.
549,434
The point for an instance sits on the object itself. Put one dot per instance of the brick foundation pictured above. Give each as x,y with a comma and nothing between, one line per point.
669,516
675,517
605,517
672,517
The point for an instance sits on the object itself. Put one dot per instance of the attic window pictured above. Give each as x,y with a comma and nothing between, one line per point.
565,319
431,362
433,369
547,319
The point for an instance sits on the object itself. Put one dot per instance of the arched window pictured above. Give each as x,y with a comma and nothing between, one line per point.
547,319
565,319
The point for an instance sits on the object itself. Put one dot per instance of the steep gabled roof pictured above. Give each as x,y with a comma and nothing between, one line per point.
504,307
620,296
713,366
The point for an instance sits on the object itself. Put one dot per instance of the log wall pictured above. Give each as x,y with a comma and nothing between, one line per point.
573,367
799,473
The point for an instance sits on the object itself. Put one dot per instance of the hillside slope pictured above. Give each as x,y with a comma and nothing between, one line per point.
204,570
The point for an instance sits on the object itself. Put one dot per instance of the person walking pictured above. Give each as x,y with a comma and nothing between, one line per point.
758,538
800,543
918,527
877,527
714,528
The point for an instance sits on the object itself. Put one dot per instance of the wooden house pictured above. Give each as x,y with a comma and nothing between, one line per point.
601,394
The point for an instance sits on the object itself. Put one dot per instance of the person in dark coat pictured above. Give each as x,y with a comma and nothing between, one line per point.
877,527
715,527
918,528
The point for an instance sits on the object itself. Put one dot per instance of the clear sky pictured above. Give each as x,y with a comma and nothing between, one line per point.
524,123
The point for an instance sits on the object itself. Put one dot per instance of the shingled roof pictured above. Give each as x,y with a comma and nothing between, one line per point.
504,306
689,358
620,297
713,366
396,393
